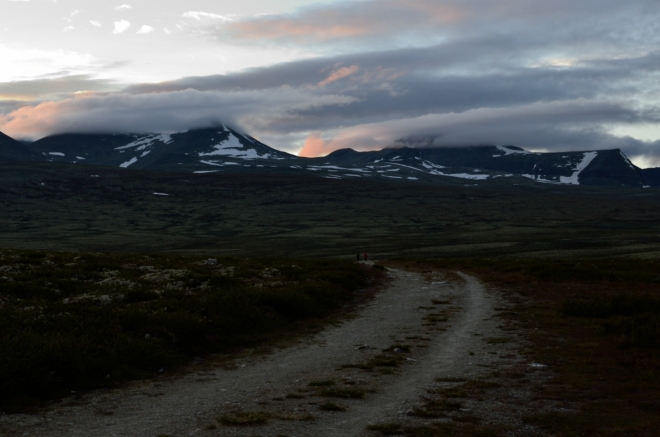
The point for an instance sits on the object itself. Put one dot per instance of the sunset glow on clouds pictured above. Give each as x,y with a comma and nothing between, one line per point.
338,74
351,21
313,77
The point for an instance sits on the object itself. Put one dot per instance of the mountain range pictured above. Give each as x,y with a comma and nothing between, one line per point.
222,149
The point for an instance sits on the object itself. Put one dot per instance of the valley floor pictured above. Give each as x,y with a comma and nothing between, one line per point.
61,207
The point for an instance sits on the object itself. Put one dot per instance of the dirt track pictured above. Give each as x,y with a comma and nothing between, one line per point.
190,405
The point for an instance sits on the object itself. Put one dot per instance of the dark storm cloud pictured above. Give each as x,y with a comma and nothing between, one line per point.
466,58
405,83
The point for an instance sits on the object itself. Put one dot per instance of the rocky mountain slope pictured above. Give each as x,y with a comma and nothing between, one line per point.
222,149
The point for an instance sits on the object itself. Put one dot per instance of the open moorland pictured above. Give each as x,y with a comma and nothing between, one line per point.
85,208
493,309
78,322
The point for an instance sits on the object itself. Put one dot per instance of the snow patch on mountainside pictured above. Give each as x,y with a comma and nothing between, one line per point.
212,163
128,163
573,179
408,166
143,142
537,178
477,177
429,165
508,151
625,158
165,138
233,147
334,167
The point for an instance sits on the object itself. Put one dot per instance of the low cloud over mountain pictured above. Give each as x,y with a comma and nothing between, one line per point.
543,76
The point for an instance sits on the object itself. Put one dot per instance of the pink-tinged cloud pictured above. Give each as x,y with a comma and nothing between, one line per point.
349,21
314,146
254,110
30,121
284,29
381,23
115,112
352,138
339,73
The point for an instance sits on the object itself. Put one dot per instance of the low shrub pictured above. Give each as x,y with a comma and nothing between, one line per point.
608,306
635,318
73,322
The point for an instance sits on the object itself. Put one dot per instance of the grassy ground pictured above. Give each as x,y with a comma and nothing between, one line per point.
596,325
72,322
114,318
61,207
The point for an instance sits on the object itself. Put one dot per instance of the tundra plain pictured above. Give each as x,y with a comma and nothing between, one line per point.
85,208
508,309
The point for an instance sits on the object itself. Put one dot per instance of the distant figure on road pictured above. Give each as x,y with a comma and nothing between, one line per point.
358,256
365,256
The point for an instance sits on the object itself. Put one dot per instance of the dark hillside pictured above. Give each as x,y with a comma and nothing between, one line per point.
611,167
194,150
652,176
12,151
224,150
602,167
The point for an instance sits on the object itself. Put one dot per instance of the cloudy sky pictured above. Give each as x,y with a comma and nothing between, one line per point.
310,77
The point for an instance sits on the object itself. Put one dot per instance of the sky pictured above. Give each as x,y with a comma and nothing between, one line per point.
310,77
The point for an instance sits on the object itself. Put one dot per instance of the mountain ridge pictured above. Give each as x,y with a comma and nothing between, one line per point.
594,167
222,149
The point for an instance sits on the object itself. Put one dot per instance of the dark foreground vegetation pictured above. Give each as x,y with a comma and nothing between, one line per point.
596,324
72,322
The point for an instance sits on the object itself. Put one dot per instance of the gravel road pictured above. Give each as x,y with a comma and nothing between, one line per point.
442,320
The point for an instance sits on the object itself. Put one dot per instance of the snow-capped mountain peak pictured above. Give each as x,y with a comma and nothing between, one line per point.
222,149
